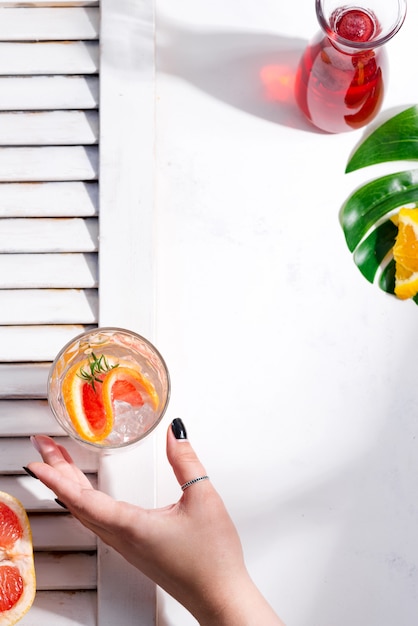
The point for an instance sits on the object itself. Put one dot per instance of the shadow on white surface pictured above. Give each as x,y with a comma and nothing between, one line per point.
253,72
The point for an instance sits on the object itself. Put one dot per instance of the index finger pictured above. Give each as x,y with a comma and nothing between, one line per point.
59,472
57,457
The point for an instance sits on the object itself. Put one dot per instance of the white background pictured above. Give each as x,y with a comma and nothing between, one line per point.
296,378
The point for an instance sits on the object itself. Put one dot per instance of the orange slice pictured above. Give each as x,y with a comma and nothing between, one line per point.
17,572
406,283
91,407
405,250
405,253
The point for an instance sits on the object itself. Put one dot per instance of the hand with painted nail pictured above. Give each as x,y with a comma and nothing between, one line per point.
191,548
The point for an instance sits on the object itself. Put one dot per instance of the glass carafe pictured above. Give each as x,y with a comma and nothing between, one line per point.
341,78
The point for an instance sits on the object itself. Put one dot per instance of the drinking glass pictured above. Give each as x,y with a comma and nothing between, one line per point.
137,398
342,74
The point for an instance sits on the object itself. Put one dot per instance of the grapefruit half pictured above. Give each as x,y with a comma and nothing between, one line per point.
17,571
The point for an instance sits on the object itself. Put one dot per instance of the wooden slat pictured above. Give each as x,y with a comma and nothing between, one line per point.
127,141
65,571
65,199
63,533
53,128
35,343
47,24
34,496
35,324
23,380
23,93
48,270
49,58
18,451
20,418
48,235
48,3
48,163
62,608
48,306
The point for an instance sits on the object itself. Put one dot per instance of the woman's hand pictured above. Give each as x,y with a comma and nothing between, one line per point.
191,548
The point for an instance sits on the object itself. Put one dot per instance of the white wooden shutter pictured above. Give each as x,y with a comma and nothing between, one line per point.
57,59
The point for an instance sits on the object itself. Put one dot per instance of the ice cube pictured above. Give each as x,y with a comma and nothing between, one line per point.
130,422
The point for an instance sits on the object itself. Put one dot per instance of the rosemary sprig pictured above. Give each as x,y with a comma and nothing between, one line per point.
97,365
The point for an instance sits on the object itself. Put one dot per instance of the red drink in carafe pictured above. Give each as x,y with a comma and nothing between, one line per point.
339,88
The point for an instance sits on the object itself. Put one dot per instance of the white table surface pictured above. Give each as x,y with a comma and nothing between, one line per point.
296,378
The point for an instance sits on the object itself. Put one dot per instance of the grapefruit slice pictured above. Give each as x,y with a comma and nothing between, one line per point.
17,572
84,403
90,394
128,384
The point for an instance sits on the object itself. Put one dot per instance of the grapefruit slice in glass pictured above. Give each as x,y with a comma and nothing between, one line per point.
84,403
17,572
90,401
127,384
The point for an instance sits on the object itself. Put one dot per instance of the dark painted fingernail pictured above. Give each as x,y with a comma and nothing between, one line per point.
61,503
178,429
28,471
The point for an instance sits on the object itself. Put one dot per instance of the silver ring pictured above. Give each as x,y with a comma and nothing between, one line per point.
192,482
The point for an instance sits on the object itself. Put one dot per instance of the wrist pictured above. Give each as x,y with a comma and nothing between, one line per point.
241,604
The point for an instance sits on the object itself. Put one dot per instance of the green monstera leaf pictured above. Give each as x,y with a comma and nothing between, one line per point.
395,140
368,216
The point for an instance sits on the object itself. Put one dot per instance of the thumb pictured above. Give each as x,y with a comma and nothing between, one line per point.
181,456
